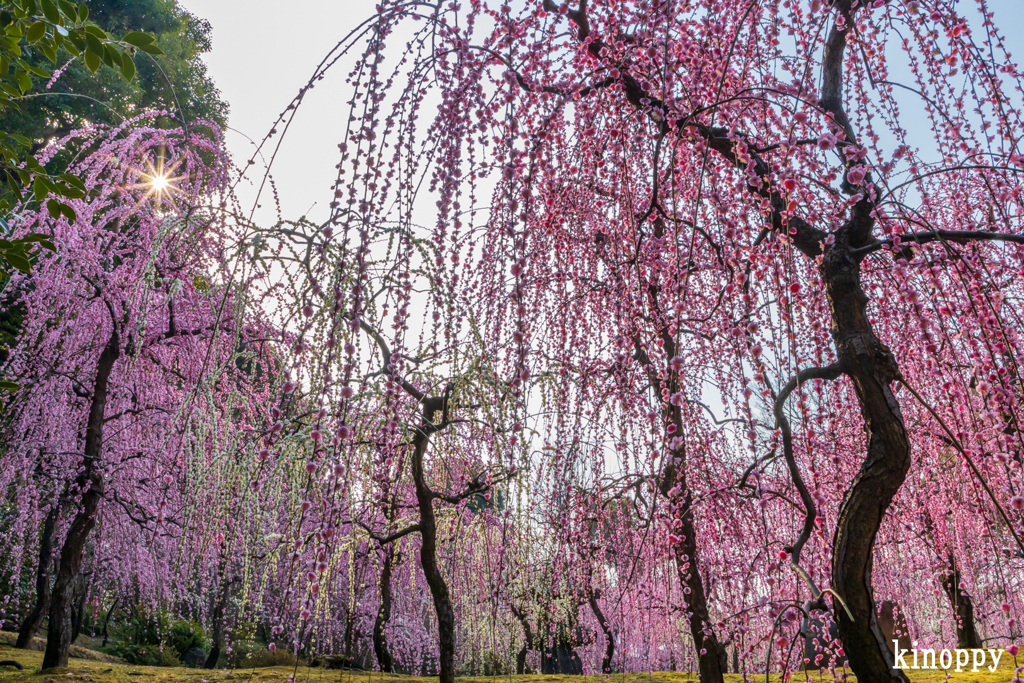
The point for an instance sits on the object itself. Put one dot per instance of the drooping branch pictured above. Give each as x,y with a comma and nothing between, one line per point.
829,372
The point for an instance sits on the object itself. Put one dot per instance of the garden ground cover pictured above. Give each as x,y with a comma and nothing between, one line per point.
100,670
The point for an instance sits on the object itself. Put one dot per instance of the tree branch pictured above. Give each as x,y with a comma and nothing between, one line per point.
957,236
829,372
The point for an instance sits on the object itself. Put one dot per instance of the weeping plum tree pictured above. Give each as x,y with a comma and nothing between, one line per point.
139,319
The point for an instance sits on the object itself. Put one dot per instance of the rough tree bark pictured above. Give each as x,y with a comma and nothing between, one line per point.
427,526
528,635
35,617
609,650
79,593
217,634
90,482
428,533
871,367
712,656
380,642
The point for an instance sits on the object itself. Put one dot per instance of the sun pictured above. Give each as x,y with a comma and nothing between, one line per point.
159,183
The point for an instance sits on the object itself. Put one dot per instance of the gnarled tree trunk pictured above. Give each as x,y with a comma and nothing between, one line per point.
217,635
711,656
35,617
90,482
106,621
380,641
428,549
528,645
609,649
871,367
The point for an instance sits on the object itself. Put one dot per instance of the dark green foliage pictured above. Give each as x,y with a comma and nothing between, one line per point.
157,639
175,81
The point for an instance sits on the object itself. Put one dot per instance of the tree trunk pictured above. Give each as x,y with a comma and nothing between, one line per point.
217,636
35,617
106,622
871,367
58,639
428,548
528,645
609,650
380,642
967,636
80,593
711,656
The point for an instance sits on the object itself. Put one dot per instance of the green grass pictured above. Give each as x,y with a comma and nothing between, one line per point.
105,671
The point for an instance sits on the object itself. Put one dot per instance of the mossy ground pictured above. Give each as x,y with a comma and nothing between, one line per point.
107,672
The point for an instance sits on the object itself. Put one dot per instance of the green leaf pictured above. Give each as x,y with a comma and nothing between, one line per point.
49,53
18,261
35,32
8,386
138,38
94,43
73,181
68,9
83,12
53,206
24,82
69,213
70,192
111,57
42,73
95,30
92,61
50,11
40,188
127,67
151,49
39,238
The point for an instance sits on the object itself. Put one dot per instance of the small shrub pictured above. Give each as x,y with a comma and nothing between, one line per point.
261,659
188,635
149,639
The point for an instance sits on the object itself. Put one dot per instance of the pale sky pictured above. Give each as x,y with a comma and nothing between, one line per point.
265,50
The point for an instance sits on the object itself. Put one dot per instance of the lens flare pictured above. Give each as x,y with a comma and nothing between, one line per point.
159,183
